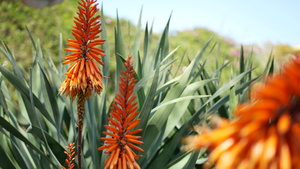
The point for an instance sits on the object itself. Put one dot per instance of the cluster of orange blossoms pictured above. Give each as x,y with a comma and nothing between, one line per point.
84,74
265,132
123,113
70,155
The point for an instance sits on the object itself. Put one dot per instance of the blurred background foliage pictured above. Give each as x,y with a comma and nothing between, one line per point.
47,24
44,23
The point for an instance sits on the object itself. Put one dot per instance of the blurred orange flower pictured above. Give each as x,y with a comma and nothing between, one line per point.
123,113
265,132
84,74
70,155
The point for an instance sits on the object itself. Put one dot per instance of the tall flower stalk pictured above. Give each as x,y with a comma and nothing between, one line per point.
265,132
123,112
70,155
84,76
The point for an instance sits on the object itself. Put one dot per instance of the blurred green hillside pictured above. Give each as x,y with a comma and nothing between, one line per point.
46,24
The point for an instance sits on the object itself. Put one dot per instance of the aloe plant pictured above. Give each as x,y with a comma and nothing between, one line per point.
35,128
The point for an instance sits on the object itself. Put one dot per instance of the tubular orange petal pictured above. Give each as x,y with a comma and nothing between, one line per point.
102,148
124,165
129,152
115,158
285,161
112,129
112,148
116,116
95,66
114,123
284,123
216,153
131,116
111,142
81,64
111,134
135,141
132,125
119,163
135,147
69,57
69,61
72,50
109,159
250,129
133,137
135,131
130,165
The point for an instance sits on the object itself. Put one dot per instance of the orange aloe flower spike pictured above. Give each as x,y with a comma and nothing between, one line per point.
84,74
70,155
265,132
122,121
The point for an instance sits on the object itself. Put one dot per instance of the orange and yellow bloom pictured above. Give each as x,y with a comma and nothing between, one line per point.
84,74
121,141
265,132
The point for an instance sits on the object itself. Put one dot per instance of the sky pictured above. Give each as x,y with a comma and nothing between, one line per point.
246,22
